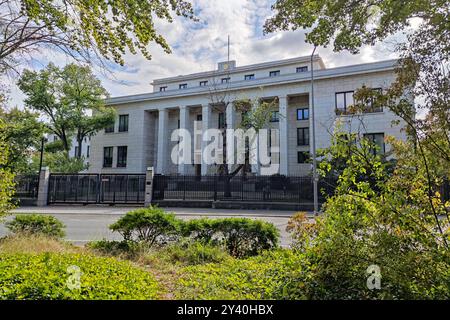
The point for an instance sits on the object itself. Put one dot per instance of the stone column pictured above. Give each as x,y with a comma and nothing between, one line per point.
148,186
206,123
163,141
231,124
282,103
44,179
184,123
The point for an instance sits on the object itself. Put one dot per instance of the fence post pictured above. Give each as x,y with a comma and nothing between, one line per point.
149,186
44,178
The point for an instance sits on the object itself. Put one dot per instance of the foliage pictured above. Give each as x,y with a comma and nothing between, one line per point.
241,236
67,96
124,248
151,225
44,277
194,253
303,230
58,162
88,30
36,224
272,275
35,243
6,176
23,133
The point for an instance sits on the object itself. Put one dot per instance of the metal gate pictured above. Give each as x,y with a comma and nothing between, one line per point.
97,188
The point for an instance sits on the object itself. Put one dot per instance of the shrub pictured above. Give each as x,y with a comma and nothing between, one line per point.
246,237
129,249
303,230
36,224
271,275
241,236
150,225
45,276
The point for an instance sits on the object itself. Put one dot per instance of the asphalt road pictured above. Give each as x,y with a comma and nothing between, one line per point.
84,224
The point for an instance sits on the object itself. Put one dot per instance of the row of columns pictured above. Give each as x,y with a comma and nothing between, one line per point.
230,115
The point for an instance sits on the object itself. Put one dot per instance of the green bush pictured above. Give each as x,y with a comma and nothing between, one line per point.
45,277
115,248
241,237
150,225
275,274
37,224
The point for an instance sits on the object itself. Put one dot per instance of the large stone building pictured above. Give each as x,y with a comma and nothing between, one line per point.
141,136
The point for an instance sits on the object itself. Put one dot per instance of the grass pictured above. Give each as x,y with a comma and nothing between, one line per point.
35,244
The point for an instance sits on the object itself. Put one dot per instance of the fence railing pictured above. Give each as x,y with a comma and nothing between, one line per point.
238,188
27,187
97,188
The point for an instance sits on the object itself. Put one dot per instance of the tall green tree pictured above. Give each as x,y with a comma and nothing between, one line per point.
72,99
6,176
87,30
22,131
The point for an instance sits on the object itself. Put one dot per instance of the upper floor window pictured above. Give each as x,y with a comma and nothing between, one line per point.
55,138
203,83
109,128
377,139
303,114
162,89
76,151
302,69
88,151
107,157
343,101
370,104
221,123
302,156
274,73
225,80
275,116
123,123
182,86
249,77
303,136
122,156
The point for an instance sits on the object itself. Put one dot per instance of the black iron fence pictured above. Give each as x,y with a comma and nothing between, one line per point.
97,188
27,187
293,189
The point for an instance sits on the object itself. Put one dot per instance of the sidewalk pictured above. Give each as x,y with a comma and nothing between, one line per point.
121,210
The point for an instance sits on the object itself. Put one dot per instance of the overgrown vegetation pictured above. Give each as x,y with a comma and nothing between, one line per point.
36,224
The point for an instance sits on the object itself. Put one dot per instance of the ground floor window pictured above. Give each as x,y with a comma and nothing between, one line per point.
378,140
302,156
122,156
107,157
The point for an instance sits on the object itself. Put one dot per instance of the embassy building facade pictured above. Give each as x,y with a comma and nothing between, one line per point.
143,134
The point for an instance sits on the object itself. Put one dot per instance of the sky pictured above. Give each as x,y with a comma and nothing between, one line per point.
198,46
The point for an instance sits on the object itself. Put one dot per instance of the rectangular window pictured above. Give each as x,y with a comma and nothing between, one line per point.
377,139
221,123
303,136
182,86
123,123
203,83
249,77
55,138
199,117
302,69
162,89
225,80
303,114
274,73
110,128
370,104
302,157
88,151
343,100
275,116
122,156
76,151
107,157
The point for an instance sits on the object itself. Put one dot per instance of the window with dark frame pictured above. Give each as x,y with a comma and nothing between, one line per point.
249,77
88,151
302,157
162,89
76,151
378,140
370,103
303,114
123,122
225,80
302,69
275,116
122,156
221,124
203,83
183,86
110,128
343,101
107,157
199,117
303,136
274,73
